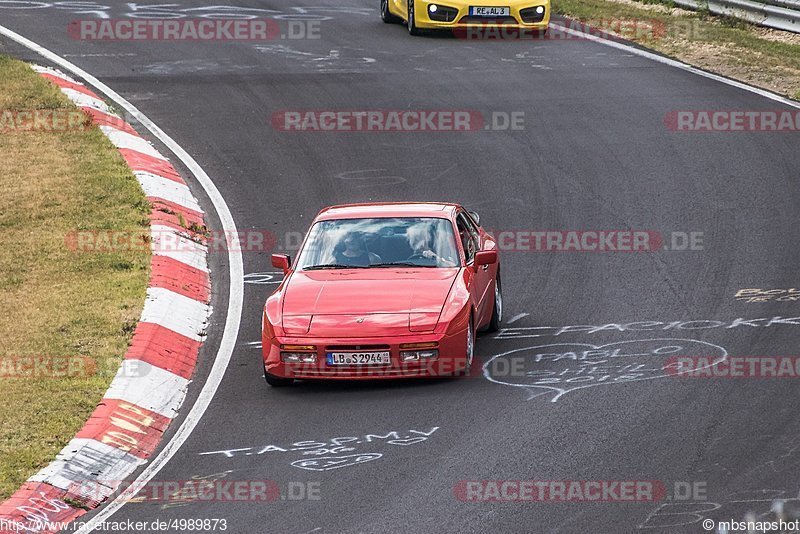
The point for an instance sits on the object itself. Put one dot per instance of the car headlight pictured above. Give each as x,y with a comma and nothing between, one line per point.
421,351
416,355
298,357
540,9
299,354
432,8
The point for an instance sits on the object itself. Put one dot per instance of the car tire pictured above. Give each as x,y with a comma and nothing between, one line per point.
277,381
470,349
497,311
386,15
412,20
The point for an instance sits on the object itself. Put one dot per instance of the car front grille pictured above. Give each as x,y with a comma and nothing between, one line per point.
470,19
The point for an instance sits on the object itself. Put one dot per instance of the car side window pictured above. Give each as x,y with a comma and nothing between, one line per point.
472,227
468,237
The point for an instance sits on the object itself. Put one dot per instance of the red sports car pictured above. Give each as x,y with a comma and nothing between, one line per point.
383,291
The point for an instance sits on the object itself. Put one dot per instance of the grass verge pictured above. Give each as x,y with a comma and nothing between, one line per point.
759,56
59,303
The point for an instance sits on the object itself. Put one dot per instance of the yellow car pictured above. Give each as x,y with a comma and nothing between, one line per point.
522,16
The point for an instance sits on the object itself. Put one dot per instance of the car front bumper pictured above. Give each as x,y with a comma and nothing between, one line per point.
451,359
459,17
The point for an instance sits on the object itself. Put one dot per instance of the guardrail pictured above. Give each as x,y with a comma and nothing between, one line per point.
778,14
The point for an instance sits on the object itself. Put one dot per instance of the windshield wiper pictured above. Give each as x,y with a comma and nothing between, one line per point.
334,266
401,264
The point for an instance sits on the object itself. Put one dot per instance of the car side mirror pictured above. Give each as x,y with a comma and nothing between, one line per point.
485,257
281,261
475,217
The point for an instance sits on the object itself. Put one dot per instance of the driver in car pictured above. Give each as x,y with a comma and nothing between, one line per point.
419,239
355,252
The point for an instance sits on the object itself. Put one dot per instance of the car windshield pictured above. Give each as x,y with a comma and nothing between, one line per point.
379,243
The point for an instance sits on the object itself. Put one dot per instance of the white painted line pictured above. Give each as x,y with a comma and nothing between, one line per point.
233,315
82,100
168,242
150,387
179,313
129,141
505,336
83,461
517,317
528,328
169,190
677,64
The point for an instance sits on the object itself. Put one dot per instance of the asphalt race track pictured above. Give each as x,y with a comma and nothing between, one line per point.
594,154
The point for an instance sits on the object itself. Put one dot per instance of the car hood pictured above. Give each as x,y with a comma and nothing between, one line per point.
346,303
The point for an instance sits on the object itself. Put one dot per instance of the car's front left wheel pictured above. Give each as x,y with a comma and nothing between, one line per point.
386,15
497,313
412,20
470,350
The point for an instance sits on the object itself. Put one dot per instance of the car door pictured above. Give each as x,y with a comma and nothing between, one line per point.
482,276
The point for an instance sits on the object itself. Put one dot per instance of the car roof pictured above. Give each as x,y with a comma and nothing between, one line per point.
388,209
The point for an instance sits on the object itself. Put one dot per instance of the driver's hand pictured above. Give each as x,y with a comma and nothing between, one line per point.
428,254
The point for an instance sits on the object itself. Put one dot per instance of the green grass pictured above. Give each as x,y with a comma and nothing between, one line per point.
59,302
721,44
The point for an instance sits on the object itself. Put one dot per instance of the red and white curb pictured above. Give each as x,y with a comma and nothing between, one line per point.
151,385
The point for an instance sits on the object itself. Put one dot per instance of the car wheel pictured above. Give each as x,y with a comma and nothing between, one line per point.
386,15
497,313
277,381
412,20
470,349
